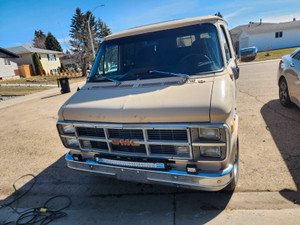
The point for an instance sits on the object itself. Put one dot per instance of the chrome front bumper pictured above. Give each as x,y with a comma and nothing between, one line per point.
202,181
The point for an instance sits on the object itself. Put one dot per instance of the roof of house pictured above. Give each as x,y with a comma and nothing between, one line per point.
24,49
255,28
164,26
13,55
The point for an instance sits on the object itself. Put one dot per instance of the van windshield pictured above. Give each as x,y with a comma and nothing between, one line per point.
190,50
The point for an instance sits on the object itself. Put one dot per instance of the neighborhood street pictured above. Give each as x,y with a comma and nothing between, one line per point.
267,190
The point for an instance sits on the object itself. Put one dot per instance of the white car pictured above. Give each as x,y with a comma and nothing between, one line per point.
288,77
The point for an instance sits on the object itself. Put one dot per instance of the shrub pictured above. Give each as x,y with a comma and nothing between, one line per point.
37,64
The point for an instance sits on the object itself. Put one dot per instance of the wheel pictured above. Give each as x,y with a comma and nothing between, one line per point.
232,184
284,96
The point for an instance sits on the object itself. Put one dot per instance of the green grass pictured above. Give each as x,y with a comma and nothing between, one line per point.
274,54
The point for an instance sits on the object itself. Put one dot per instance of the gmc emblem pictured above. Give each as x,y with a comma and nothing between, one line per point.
125,142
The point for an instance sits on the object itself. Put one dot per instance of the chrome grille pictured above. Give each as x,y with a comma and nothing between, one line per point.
163,149
99,145
129,149
91,132
151,142
126,133
167,135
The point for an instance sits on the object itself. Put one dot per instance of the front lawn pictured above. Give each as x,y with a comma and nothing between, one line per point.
274,54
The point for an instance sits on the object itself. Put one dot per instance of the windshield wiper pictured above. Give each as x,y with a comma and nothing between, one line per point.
110,79
169,73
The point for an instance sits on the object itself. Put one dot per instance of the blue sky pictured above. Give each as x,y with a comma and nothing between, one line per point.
19,18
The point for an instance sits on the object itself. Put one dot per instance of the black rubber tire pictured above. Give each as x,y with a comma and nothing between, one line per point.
231,186
284,96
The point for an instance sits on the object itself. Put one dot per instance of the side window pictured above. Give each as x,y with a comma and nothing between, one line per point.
226,45
109,60
297,56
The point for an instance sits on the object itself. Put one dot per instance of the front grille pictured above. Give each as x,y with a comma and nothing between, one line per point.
129,149
163,149
126,133
136,141
167,135
91,132
99,145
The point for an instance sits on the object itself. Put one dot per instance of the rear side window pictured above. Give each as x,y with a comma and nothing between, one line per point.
297,55
226,44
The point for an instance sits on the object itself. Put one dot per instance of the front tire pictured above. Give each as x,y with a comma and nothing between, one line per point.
284,96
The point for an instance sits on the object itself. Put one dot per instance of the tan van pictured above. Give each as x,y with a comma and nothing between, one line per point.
159,106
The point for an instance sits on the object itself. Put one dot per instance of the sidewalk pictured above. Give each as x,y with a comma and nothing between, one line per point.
174,209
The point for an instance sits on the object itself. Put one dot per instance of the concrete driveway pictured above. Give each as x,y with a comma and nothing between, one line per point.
267,191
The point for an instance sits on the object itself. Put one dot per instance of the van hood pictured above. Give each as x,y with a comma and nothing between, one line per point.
141,102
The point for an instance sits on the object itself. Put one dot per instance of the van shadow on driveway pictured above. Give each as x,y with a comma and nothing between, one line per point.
100,200
284,126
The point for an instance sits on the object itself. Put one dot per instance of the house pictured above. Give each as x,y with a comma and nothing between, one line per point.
267,36
69,61
49,58
8,64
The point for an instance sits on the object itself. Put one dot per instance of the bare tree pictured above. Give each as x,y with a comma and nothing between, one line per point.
39,39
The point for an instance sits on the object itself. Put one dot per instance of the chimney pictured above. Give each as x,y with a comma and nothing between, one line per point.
260,22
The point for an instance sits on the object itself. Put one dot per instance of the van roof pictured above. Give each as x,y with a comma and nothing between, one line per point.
163,26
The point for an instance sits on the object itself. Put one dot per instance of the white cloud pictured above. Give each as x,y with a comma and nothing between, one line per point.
235,13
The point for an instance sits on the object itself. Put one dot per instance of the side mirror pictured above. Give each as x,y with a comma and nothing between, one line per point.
236,72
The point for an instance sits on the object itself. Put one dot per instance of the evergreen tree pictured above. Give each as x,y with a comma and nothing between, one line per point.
52,44
37,64
62,67
103,29
39,39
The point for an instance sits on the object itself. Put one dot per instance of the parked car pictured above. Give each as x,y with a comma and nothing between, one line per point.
288,77
159,106
248,54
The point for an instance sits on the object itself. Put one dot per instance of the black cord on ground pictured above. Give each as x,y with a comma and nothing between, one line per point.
41,215
22,195
45,214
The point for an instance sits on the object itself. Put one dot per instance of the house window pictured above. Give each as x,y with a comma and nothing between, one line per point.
51,57
278,34
6,62
40,57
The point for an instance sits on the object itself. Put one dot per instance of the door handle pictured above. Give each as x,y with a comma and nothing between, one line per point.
292,65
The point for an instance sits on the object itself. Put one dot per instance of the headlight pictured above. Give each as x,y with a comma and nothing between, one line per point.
68,128
210,151
71,142
209,133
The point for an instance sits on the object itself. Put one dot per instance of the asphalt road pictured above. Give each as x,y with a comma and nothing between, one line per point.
267,191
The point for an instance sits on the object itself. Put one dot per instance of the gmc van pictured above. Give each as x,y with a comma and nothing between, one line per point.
159,106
